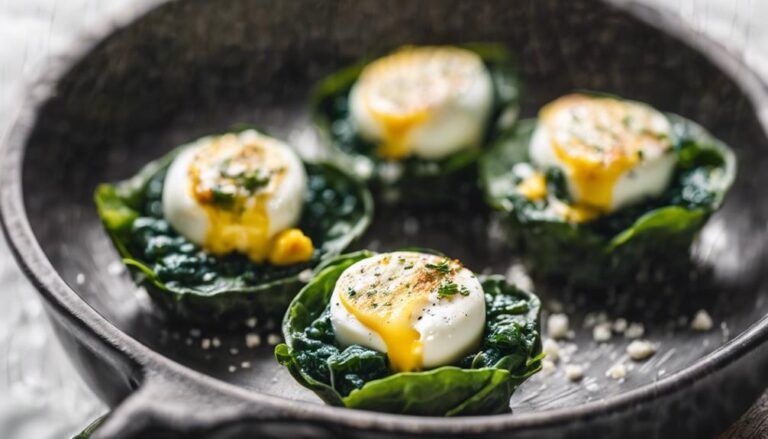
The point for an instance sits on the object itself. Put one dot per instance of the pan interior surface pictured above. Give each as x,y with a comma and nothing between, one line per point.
191,68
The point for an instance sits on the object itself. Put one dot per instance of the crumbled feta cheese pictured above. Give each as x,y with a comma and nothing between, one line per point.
702,321
245,364
216,342
234,351
620,325
634,330
640,350
205,343
273,339
305,275
195,332
617,371
115,268
252,340
251,323
557,326
517,275
232,369
80,278
574,372
548,367
551,349
601,332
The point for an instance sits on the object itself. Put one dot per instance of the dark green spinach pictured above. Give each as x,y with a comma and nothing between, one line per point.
652,236
207,289
358,377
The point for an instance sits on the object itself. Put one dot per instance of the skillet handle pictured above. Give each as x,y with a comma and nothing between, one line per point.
178,407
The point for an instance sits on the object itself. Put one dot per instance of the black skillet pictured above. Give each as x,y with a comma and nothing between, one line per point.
189,68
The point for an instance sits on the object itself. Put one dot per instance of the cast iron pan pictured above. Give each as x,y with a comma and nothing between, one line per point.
185,69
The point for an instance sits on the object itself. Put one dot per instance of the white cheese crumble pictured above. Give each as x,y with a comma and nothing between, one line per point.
702,321
305,275
548,367
574,372
557,326
273,339
252,340
640,350
601,332
551,349
634,330
617,371
620,325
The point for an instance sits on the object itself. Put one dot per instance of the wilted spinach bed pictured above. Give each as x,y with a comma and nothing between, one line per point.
224,290
358,377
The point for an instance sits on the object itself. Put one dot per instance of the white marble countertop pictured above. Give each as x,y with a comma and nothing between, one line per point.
41,395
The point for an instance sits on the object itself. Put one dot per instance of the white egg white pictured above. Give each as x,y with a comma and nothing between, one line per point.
597,122
443,95
284,196
449,327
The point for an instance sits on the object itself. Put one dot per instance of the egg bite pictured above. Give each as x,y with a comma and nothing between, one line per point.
225,230
417,118
422,310
612,152
412,333
427,102
602,191
239,193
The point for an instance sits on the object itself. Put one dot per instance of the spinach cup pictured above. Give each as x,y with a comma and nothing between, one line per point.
225,290
479,383
439,168
645,241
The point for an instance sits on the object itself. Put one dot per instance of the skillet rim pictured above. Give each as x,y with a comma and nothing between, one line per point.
38,269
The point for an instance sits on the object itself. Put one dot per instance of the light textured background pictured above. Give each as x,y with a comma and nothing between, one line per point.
41,395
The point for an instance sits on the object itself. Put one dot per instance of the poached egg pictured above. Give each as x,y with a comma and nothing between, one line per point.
239,193
428,102
613,153
422,310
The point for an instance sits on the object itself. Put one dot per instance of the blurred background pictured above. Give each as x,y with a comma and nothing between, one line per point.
41,395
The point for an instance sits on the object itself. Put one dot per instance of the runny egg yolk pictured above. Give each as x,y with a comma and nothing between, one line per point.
233,181
391,312
599,139
406,89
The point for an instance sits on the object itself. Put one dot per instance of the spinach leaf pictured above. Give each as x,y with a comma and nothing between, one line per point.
359,377
613,249
224,290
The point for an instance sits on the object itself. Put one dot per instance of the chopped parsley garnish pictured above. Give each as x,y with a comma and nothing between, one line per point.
443,267
450,288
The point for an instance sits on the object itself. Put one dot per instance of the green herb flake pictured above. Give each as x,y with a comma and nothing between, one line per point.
448,289
443,267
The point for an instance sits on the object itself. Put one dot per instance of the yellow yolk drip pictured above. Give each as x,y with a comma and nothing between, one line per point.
396,130
599,140
290,247
243,231
402,90
578,213
534,187
241,222
391,315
